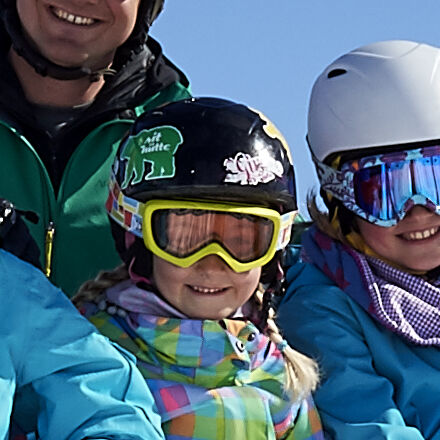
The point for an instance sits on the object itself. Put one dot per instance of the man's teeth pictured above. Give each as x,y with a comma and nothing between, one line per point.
205,289
420,235
75,19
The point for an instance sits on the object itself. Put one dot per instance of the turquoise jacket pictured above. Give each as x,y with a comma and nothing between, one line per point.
375,385
58,374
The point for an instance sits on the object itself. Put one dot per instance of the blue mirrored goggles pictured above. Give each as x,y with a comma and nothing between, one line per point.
383,188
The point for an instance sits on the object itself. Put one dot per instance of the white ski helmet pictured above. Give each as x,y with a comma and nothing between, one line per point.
383,94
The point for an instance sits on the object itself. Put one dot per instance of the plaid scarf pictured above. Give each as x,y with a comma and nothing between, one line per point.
404,303
210,379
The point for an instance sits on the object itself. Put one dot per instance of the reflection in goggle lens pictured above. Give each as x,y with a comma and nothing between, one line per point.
182,232
382,190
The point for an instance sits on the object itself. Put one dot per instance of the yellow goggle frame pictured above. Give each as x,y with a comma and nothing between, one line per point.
136,217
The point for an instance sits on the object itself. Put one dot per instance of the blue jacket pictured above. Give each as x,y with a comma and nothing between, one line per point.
61,376
375,385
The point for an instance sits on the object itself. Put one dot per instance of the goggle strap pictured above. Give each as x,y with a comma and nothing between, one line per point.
125,211
337,183
286,222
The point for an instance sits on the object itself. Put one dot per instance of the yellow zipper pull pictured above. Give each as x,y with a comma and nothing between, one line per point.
50,232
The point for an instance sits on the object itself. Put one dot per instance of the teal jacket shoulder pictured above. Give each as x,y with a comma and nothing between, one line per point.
58,373
374,384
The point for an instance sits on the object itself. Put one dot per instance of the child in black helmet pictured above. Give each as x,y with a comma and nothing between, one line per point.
365,301
201,202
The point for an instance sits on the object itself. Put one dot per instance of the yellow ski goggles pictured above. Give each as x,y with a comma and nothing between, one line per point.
182,232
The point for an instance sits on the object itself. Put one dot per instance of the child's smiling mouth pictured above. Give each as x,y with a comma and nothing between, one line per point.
420,235
207,290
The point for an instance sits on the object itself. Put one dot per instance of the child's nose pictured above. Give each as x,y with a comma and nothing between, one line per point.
419,211
211,263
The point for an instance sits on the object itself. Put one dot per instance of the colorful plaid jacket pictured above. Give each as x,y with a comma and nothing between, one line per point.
211,379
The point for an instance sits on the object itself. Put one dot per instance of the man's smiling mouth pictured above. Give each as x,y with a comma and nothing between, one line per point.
71,18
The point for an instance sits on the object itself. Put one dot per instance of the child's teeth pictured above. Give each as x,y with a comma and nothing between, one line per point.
205,289
420,235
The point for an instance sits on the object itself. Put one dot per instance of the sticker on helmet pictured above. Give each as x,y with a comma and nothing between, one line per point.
248,170
156,146
271,130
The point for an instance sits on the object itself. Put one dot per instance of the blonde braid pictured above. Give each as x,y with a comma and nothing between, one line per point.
92,289
301,371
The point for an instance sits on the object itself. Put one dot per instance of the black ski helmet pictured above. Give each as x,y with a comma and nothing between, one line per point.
204,148
207,148
147,13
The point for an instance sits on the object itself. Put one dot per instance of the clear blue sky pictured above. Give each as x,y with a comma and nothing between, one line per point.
267,53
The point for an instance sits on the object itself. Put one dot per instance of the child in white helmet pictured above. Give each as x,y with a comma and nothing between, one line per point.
365,300
201,202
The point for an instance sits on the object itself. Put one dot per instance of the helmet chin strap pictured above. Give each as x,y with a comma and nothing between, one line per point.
42,65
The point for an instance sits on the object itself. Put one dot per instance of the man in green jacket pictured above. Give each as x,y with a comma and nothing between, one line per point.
74,75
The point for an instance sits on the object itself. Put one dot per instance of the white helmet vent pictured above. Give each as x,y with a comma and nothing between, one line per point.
336,72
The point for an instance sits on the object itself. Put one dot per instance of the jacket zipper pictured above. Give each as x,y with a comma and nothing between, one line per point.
48,248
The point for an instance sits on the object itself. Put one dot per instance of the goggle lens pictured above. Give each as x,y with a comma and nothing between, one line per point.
427,178
183,232
383,190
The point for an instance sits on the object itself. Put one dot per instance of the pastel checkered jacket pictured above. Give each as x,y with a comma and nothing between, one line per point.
210,379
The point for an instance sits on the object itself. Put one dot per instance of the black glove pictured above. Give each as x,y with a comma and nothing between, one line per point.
14,234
